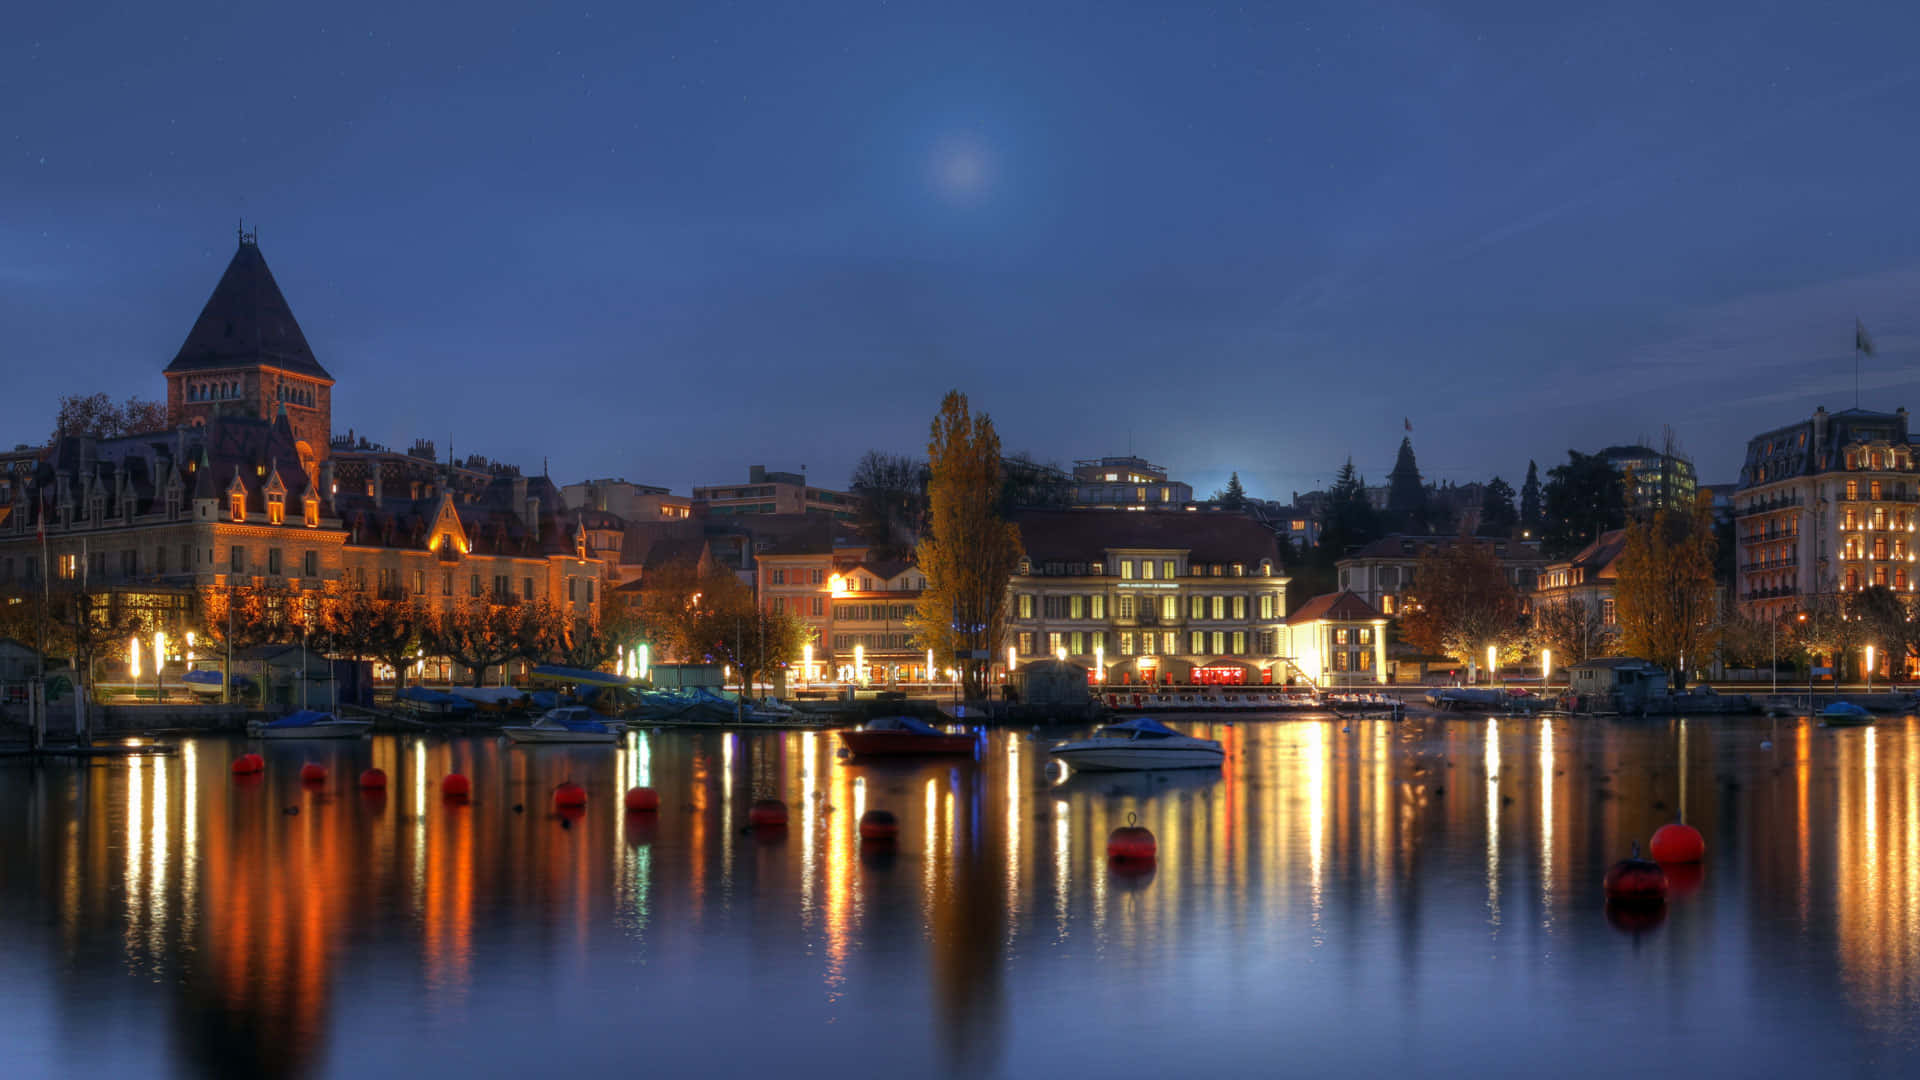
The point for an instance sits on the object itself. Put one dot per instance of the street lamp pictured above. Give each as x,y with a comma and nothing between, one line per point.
1869,669
1546,667
1492,664
1100,662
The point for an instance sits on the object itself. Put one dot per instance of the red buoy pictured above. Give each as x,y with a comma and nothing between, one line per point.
643,799
1636,880
569,794
247,764
879,825
1132,843
768,814
313,772
1677,843
456,786
373,778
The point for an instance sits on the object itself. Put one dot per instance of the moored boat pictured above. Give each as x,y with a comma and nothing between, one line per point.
893,736
1142,743
1845,714
566,724
309,724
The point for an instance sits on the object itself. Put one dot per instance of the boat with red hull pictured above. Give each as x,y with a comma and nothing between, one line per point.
900,736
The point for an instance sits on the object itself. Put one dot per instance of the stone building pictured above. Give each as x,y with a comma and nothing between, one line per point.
1381,572
247,488
1828,505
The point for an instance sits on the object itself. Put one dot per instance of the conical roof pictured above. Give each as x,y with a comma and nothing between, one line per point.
247,321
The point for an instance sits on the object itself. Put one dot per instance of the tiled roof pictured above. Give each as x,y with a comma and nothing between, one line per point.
1085,535
1334,607
247,321
1398,546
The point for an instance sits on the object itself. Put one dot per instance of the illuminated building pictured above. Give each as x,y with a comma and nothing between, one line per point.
632,502
772,492
1172,597
1338,640
1381,572
1825,505
1586,578
248,488
1655,480
1127,483
850,599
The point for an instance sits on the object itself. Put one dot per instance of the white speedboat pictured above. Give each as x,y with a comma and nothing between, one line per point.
309,724
1143,743
566,724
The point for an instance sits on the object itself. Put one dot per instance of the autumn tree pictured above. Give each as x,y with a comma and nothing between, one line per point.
96,415
671,598
388,626
1886,621
478,633
969,552
1462,603
1664,593
754,641
1825,628
891,495
1574,628
1747,642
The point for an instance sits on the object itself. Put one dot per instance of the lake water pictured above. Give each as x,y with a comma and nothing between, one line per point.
1345,899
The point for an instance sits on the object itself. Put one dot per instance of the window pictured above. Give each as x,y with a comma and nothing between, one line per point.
1196,608
1879,575
1198,641
237,559
819,577
1026,605
1053,644
1218,606
1146,570
419,583
1873,490
276,511
1386,604
239,507
1239,570
1098,603
309,564
1146,643
273,560
1263,642
1342,660
777,577
502,587
446,583
1026,641
573,589
1365,661
779,605
1342,636
818,607
1079,643
1366,635
1076,608
473,584
1853,486
1169,608
526,588
1126,643
1219,643
1169,642
1053,607
1126,605
389,579
1166,568
1239,607
1239,643
1606,610
1266,605
1126,569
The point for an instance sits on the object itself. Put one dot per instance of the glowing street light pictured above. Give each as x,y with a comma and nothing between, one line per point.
860,664
1546,665
929,667
133,657
1010,661
1100,661
1060,654
1493,664
806,662
1869,669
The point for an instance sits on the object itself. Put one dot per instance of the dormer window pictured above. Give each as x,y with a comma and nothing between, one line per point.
238,505
276,511
312,511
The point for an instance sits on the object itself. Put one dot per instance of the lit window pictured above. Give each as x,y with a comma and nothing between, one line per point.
239,507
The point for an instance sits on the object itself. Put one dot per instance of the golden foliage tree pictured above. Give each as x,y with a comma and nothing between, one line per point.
1573,628
671,602
386,626
969,552
1664,593
1462,603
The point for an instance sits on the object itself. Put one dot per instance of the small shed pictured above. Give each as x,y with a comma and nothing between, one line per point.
686,676
1627,681
18,661
1051,682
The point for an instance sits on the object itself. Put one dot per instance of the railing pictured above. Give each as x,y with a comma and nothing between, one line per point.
1768,506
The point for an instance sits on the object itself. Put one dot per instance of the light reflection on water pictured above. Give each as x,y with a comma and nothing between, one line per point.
1361,897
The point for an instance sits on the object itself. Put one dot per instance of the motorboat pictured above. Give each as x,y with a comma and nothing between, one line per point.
1142,743
309,724
1366,703
428,702
768,711
495,700
566,724
1844,714
206,682
888,736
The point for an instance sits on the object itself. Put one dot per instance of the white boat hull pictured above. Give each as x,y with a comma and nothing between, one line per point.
339,729
1131,757
540,735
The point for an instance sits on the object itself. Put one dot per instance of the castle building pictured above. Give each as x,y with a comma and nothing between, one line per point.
248,488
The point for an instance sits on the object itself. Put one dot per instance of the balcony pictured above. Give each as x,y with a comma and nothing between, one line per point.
1768,506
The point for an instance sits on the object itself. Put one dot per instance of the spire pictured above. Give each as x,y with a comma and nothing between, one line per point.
247,321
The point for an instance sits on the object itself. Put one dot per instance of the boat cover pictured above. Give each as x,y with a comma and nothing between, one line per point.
203,677
1843,708
903,723
303,718
578,676
1145,725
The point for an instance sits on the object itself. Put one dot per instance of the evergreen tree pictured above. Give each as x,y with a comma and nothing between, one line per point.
1351,520
1584,498
1530,500
1235,497
1497,516
1406,497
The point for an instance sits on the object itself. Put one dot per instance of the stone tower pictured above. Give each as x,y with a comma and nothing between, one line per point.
246,356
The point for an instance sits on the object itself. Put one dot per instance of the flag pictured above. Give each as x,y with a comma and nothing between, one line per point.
1408,420
1861,342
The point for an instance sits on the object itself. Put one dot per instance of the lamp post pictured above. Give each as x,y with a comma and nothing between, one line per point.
1869,669
1546,667
1492,662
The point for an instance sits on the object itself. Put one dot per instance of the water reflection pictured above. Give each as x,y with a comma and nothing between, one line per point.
1331,881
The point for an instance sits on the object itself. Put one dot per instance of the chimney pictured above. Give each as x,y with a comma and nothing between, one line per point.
757,474
379,484
1820,426
531,516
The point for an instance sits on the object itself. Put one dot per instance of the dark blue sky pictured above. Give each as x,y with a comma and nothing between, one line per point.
667,243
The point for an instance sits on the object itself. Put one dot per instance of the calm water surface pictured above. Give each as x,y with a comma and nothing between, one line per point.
1348,900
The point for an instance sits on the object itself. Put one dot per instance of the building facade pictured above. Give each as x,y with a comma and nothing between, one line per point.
632,502
1586,578
1151,597
771,492
1825,506
1338,640
1655,480
1127,483
1382,572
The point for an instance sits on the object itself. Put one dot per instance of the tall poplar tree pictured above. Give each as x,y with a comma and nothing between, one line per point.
1664,594
1530,500
968,553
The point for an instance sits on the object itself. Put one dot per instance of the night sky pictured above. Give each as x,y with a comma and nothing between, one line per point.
666,244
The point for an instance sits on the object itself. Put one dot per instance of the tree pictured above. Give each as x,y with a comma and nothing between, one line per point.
1825,628
1350,518
96,415
1664,592
891,490
754,640
1530,500
969,552
1235,496
1745,642
387,626
1886,621
1406,496
1584,498
671,598
1574,629
479,632
1497,516
1025,484
1462,603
